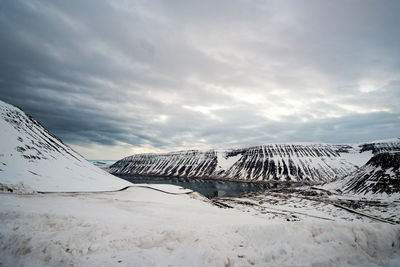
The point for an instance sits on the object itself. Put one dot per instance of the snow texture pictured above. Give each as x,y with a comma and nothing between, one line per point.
33,158
145,227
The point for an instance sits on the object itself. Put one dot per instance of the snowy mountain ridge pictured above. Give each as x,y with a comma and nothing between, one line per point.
380,177
31,158
276,162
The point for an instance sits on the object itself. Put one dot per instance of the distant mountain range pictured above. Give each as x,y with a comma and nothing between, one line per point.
312,163
33,158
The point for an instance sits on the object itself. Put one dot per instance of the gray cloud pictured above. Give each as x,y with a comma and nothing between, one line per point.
161,76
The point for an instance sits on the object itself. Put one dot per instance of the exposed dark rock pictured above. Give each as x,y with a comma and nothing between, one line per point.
381,174
312,163
286,162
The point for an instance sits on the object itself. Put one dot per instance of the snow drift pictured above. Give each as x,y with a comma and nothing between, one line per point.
32,159
142,227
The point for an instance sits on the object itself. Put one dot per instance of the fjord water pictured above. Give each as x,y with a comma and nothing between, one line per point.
211,188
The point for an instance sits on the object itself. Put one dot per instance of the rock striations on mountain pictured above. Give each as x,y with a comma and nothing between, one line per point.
381,175
312,163
30,156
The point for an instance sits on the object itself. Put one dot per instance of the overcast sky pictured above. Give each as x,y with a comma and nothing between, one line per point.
112,78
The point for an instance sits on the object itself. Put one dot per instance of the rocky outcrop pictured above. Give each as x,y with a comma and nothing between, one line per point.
380,175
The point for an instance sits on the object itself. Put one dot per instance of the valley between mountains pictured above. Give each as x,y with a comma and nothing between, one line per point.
59,209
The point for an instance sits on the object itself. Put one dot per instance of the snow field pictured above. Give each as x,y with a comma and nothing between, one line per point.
146,227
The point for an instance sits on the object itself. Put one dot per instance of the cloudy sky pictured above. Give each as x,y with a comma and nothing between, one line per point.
113,77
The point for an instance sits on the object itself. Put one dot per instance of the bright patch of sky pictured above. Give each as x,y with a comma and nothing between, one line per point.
112,78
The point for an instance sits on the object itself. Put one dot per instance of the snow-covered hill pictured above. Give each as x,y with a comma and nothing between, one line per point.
379,177
145,227
283,162
31,158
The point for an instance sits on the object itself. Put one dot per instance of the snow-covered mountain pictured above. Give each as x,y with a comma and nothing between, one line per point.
284,162
381,175
31,158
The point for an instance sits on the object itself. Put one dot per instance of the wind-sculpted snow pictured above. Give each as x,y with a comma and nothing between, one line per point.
283,162
31,158
144,227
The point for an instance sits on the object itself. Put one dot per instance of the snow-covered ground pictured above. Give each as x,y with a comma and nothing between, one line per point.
142,226
310,203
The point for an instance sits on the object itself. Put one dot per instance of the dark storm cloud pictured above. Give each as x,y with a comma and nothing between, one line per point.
168,75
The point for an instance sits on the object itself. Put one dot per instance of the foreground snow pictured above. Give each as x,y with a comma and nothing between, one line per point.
142,226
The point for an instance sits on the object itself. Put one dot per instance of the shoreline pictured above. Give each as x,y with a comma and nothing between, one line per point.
160,178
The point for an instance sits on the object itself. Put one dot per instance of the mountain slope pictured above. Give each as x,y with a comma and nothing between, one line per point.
284,162
31,157
381,175
275,162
